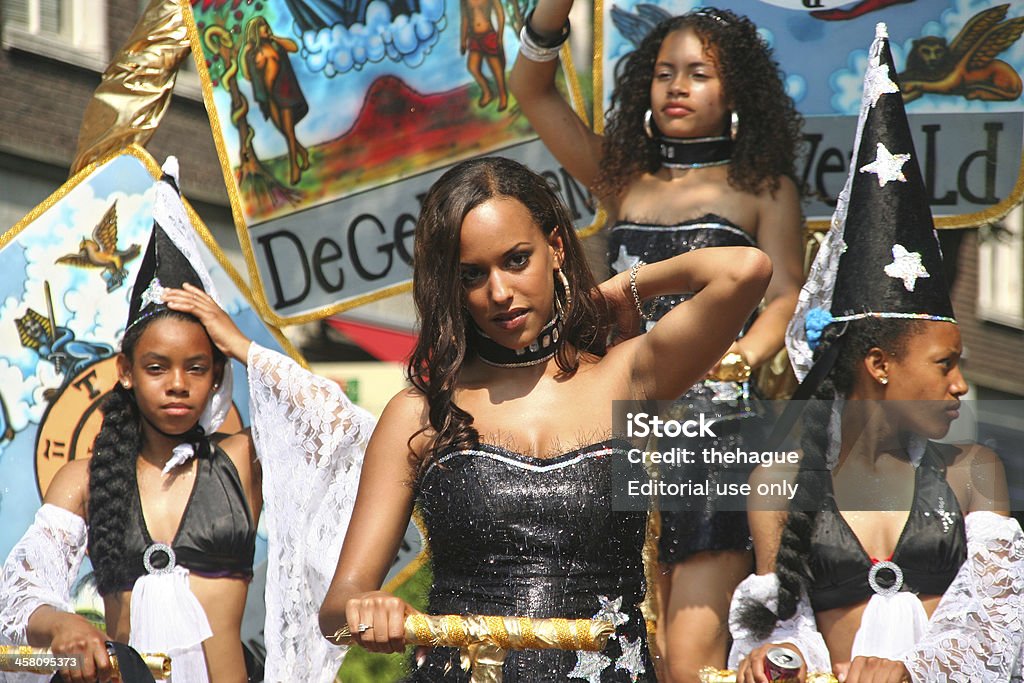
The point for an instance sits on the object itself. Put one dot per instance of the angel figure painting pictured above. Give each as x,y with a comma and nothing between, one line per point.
967,67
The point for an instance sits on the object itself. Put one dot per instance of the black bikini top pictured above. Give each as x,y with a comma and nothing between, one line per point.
216,536
928,554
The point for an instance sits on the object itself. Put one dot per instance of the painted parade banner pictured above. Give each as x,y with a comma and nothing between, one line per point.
959,65
331,121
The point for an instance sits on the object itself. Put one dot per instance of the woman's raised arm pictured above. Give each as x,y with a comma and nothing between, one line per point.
532,83
726,282
780,235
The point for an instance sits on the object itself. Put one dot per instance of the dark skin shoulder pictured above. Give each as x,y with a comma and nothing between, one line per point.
977,476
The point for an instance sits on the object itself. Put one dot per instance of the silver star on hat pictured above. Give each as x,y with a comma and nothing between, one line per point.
887,166
906,266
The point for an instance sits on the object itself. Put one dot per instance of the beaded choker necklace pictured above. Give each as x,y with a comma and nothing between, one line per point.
683,153
543,348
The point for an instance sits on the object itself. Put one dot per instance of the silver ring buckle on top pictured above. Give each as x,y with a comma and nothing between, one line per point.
147,558
873,578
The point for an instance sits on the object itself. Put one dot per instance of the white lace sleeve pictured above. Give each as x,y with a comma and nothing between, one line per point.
976,632
40,570
310,440
799,630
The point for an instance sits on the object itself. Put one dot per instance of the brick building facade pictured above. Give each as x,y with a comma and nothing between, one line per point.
53,54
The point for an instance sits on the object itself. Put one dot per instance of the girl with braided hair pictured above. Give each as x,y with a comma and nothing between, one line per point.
881,512
167,369
698,151
895,559
168,506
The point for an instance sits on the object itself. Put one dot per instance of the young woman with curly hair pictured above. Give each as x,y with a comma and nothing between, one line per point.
505,439
698,150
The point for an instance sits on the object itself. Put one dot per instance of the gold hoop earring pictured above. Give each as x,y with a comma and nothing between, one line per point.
734,125
648,130
565,287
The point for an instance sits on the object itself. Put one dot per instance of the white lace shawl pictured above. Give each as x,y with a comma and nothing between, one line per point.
310,440
975,635
800,630
40,570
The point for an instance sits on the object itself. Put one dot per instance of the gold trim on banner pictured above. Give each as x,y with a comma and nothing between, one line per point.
572,82
406,572
135,90
597,83
597,66
153,168
238,215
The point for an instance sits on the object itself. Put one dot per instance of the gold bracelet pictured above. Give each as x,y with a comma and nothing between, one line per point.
636,294
732,368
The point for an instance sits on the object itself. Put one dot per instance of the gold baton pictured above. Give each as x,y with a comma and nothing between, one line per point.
710,674
508,633
37,660
484,641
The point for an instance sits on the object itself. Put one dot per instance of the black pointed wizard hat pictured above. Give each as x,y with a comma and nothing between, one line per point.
163,266
173,258
881,257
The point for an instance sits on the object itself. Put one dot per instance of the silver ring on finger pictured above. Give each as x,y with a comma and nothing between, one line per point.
363,628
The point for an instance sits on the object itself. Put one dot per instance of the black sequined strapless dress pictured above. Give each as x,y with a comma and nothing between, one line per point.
696,524
514,535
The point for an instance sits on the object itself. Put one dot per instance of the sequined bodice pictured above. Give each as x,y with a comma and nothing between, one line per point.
629,242
511,534
659,240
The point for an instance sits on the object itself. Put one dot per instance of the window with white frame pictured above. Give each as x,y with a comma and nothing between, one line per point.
46,17
1001,270
73,31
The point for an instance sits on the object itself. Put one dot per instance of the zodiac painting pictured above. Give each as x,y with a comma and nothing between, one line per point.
967,67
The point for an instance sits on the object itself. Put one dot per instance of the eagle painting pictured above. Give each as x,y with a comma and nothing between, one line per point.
101,251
